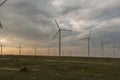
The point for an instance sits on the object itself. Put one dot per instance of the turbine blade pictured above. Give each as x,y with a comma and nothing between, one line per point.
3,3
56,34
83,38
57,24
90,33
0,25
92,41
65,30
117,47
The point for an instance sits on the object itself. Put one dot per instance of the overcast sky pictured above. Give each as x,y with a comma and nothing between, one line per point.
31,22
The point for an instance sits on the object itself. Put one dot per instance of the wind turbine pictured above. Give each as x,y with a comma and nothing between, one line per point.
1,27
54,51
89,39
48,51
0,6
1,48
63,53
114,48
20,49
59,32
102,47
35,51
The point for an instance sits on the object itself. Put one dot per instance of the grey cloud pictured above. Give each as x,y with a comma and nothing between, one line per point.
106,11
34,19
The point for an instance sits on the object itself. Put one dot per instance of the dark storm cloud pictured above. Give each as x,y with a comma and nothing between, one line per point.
31,8
107,11
29,20
33,20
71,6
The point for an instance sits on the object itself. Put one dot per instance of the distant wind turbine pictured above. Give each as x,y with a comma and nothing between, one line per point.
89,39
35,51
102,47
54,51
59,32
1,48
48,51
63,53
20,49
114,48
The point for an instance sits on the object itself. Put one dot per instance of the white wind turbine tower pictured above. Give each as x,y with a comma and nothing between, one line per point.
59,32
89,39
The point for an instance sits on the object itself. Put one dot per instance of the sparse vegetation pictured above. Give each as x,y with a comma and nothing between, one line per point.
59,68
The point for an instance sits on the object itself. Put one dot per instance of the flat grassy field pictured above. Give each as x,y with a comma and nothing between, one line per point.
59,68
